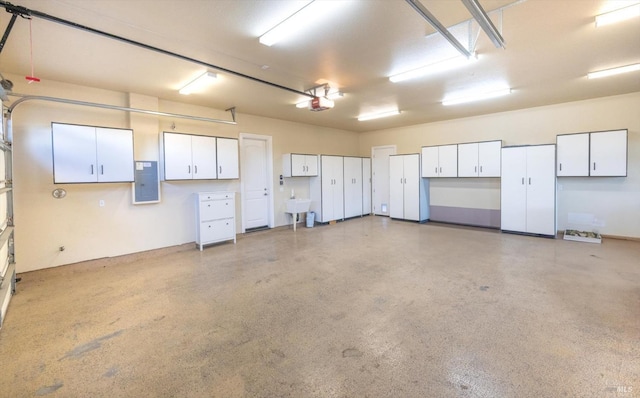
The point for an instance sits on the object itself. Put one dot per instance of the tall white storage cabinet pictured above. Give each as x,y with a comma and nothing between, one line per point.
408,193
327,189
528,190
84,154
366,186
352,187
215,217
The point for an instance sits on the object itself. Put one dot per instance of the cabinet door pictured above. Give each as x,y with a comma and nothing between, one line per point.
573,155
513,191
177,157
311,164
489,158
396,186
298,165
541,190
204,158
429,161
338,188
366,186
228,158
352,187
448,161
114,155
411,181
609,154
74,153
468,160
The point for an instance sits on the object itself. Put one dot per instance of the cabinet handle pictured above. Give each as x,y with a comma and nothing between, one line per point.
436,169
441,169
481,169
91,169
475,169
405,180
189,169
529,180
560,166
594,165
522,180
220,169
195,169
102,169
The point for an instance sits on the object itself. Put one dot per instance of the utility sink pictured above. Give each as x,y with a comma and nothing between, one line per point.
295,206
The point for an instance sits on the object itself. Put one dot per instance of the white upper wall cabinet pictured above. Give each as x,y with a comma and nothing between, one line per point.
440,161
86,154
599,154
198,157
479,159
573,155
299,165
227,151
608,154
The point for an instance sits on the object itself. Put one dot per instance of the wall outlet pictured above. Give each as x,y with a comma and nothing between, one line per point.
101,203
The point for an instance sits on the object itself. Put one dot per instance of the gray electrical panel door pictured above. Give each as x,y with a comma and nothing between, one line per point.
146,185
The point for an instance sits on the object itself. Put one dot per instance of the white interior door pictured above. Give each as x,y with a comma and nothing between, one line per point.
380,178
256,195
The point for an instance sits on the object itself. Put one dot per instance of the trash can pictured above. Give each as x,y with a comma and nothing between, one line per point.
311,218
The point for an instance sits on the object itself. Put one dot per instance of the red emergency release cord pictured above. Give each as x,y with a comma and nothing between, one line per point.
31,78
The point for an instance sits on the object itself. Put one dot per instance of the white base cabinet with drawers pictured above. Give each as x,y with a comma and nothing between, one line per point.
215,217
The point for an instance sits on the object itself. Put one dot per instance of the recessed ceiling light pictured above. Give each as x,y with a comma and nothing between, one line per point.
618,15
613,71
198,83
476,96
371,116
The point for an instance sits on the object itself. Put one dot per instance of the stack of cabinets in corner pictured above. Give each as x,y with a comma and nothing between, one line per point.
479,159
197,157
599,154
440,161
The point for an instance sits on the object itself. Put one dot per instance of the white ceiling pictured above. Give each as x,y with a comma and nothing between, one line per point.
550,47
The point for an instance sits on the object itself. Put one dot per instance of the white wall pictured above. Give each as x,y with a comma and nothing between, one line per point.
88,231
614,202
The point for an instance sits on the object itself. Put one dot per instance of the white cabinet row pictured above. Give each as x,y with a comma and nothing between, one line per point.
408,193
475,159
215,217
599,154
299,165
198,157
342,188
85,154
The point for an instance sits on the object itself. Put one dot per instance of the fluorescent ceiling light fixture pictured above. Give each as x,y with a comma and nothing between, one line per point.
371,116
436,67
198,83
613,71
477,96
618,15
312,13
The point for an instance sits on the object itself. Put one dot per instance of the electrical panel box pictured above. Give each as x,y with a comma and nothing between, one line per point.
146,185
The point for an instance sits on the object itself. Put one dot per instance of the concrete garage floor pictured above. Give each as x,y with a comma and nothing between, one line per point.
369,307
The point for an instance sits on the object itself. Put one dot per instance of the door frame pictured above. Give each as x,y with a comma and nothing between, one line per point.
373,176
269,160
